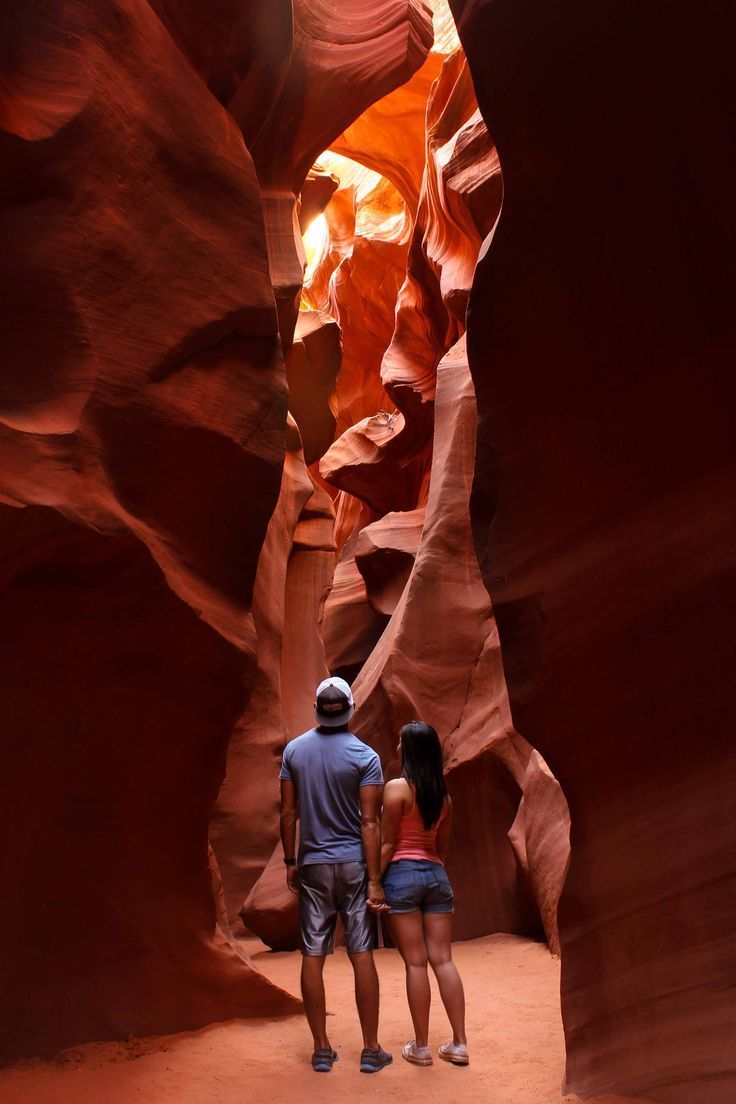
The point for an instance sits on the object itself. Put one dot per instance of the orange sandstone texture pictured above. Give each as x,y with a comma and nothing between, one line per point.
170,532
407,571
439,659
344,57
380,45
245,817
601,339
142,428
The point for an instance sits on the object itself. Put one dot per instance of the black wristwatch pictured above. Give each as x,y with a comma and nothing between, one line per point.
289,862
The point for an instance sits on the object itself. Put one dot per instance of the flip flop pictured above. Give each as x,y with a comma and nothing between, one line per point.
323,1059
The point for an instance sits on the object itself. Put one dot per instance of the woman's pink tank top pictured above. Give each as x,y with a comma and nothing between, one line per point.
414,841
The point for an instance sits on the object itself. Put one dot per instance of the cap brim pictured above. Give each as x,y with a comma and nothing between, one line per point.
334,720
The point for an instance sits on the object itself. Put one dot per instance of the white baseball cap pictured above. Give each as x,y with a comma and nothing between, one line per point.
334,705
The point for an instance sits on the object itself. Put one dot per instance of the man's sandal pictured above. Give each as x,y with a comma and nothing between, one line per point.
323,1059
418,1056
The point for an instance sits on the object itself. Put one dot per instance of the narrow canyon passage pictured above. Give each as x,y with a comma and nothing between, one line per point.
368,569
392,339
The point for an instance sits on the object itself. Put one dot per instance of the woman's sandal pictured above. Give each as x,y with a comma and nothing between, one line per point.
418,1056
323,1059
457,1053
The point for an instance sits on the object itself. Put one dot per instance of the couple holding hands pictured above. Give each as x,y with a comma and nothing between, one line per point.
364,849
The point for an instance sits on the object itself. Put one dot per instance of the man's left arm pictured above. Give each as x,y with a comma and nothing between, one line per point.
288,819
370,828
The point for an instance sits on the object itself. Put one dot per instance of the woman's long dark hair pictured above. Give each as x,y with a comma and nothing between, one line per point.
423,766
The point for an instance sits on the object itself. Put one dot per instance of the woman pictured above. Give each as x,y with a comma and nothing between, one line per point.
416,821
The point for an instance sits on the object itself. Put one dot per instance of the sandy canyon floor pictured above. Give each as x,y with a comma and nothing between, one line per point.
514,1032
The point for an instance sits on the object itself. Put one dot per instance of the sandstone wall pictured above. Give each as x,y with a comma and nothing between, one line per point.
150,274
343,58
142,427
601,340
170,530
408,619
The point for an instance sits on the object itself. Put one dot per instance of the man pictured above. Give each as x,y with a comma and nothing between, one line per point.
333,784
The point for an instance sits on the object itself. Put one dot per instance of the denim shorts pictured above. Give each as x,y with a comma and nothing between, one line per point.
326,889
417,885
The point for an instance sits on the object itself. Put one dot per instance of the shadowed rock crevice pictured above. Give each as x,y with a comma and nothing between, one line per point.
407,618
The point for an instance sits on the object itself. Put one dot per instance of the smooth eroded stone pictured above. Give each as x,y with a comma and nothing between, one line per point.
142,426
601,338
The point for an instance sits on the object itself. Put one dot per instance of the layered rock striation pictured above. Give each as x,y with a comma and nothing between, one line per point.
149,287
141,422
408,618
237,437
325,87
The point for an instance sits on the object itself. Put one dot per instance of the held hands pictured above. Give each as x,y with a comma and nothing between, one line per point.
376,898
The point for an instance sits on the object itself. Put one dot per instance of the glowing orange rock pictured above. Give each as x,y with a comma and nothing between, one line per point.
385,462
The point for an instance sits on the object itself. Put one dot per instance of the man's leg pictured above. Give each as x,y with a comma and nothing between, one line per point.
366,996
360,939
317,916
313,995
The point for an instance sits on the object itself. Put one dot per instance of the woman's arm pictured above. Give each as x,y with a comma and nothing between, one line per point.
443,832
393,807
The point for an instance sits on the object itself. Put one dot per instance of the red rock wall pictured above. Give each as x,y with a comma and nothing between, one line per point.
169,531
408,618
380,45
601,341
141,442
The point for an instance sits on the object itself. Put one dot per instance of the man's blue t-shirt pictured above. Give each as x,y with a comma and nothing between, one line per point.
328,770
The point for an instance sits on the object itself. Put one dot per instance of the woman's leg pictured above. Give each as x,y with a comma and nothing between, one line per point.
408,935
438,936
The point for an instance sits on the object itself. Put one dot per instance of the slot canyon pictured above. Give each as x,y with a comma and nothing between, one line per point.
390,339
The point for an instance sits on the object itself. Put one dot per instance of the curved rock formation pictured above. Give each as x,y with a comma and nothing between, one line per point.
540,836
381,44
394,123
351,626
345,57
270,910
439,659
384,555
385,461
245,817
142,428
356,274
167,542
312,368
601,340
240,48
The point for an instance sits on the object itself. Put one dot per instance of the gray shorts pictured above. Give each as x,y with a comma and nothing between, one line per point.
326,889
417,885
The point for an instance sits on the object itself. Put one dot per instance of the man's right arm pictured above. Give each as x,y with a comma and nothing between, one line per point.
288,819
370,827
